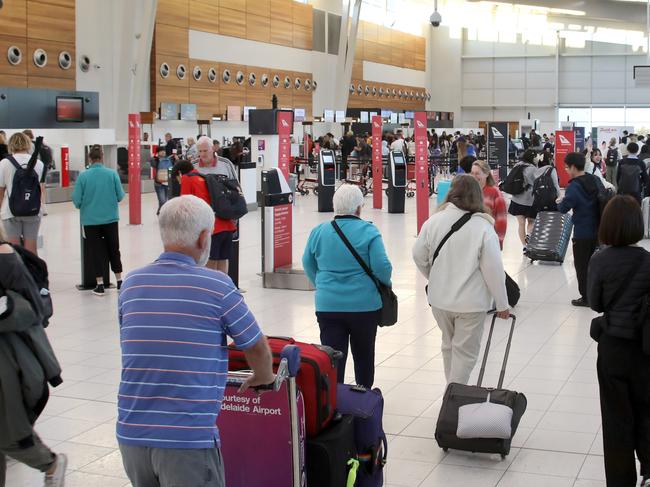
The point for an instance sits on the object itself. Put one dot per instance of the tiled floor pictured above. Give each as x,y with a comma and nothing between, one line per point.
553,361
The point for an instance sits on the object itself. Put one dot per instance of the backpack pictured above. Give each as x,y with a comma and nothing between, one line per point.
612,157
629,181
545,192
25,197
225,198
515,182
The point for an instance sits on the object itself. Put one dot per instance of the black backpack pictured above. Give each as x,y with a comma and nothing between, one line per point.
25,197
545,192
515,182
629,180
225,198
612,157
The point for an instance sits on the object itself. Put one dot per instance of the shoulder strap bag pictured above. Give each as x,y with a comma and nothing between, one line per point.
388,297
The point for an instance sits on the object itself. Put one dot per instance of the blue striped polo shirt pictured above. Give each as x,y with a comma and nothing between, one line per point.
174,319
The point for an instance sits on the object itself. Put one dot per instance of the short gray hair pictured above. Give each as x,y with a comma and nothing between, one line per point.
347,199
204,140
182,220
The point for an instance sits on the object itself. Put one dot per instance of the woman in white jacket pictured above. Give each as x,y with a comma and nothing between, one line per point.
467,277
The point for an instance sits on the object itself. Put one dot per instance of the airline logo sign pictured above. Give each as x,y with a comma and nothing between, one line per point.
564,140
496,132
284,123
419,124
376,125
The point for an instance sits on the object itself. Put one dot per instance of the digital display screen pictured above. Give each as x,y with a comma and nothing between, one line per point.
409,115
168,111
328,158
398,158
69,109
188,111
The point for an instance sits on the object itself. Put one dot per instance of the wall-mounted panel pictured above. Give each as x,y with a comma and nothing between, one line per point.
575,64
509,65
609,80
52,68
5,66
540,97
13,18
50,83
509,97
172,41
537,64
60,3
50,22
575,79
204,67
540,80
477,66
281,32
608,95
509,80
172,79
232,23
239,5
478,98
259,7
204,16
259,99
575,95
302,37
474,81
207,102
12,81
170,94
302,14
175,12
230,97
258,28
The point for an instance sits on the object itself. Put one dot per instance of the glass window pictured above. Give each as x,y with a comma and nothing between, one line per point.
639,118
608,116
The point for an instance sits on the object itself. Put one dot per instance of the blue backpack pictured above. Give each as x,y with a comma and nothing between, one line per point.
25,197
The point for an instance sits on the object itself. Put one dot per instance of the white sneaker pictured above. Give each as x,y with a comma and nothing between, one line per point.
57,479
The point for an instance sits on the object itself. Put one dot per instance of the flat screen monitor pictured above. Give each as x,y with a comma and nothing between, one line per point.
386,113
69,109
188,111
398,158
409,115
519,145
328,157
168,111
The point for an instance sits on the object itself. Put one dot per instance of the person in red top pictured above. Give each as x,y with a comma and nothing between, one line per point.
221,245
492,198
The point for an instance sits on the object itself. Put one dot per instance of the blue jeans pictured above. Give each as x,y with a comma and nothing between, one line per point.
161,193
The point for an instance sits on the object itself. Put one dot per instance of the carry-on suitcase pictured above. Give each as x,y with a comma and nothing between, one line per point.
473,418
263,435
316,379
331,456
645,209
550,238
367,407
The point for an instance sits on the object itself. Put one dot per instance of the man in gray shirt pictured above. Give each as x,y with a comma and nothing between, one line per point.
211,163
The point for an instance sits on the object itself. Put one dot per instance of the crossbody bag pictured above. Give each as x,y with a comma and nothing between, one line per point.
388,297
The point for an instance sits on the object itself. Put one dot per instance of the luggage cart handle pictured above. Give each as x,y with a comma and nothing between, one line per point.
505,356
239,377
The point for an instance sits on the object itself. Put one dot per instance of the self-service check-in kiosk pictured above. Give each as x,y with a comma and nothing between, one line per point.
275,202
396,182
326,180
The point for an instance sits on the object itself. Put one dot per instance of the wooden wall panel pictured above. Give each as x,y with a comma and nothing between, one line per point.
257,71
281,32
302,37
303,14
171,94
172,79
232,22
7,68
371,52
258,99
239,5
204,82
60,3
12,81
13,18
383,35
52,69
357,69
204,16
281,9
371,32
258,28
207,102
230,97
50,83
50,22
171,41
259,7
173,12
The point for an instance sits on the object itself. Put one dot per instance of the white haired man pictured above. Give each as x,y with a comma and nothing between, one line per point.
174,317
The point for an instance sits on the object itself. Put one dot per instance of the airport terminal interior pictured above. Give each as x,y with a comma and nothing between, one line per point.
303,100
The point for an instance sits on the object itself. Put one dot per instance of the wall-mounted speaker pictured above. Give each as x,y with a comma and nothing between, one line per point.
381,92
164,70
394,93
352,89
84,63
374,91
265,80
181,71
308,84
366,90
297,83
314,85
14,55
239,78
40,58
197,73
428,96
252,79
287,82
276,81
65,60
225,76
359,89
212,75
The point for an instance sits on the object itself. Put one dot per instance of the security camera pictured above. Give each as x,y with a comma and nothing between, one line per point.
435,19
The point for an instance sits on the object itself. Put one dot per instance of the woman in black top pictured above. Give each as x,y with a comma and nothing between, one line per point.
619,279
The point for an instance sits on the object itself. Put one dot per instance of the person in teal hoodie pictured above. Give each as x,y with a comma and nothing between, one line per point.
97,193
348,304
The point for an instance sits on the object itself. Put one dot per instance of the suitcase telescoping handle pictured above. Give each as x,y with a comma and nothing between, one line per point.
505,356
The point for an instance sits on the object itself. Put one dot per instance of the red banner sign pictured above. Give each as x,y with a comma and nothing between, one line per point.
65,166
283,215
377,166
421,168
564,143
135,199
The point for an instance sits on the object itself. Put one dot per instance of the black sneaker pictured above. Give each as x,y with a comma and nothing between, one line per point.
581,302
119,284
99,290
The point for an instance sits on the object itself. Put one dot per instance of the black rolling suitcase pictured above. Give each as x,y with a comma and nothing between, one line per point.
550,238
328,454
467,419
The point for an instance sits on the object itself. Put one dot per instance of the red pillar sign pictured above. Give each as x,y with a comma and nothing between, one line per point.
564,143
421,168
377,166
283,214
135,198
65,166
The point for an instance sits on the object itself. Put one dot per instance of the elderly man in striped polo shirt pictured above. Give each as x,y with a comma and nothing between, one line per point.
174,318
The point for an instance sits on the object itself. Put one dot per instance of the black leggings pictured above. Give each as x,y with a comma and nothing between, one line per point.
359,330
103,241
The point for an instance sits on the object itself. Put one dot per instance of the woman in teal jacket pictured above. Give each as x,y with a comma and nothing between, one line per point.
97,193
347,301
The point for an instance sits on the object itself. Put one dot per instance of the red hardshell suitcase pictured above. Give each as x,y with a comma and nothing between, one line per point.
316,378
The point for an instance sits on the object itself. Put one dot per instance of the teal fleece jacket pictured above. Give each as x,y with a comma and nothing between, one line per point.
97,192
341,284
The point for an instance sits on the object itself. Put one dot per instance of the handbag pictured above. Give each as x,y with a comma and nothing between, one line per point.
599,323
388,298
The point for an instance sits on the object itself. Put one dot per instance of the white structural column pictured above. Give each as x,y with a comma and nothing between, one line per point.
347,47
